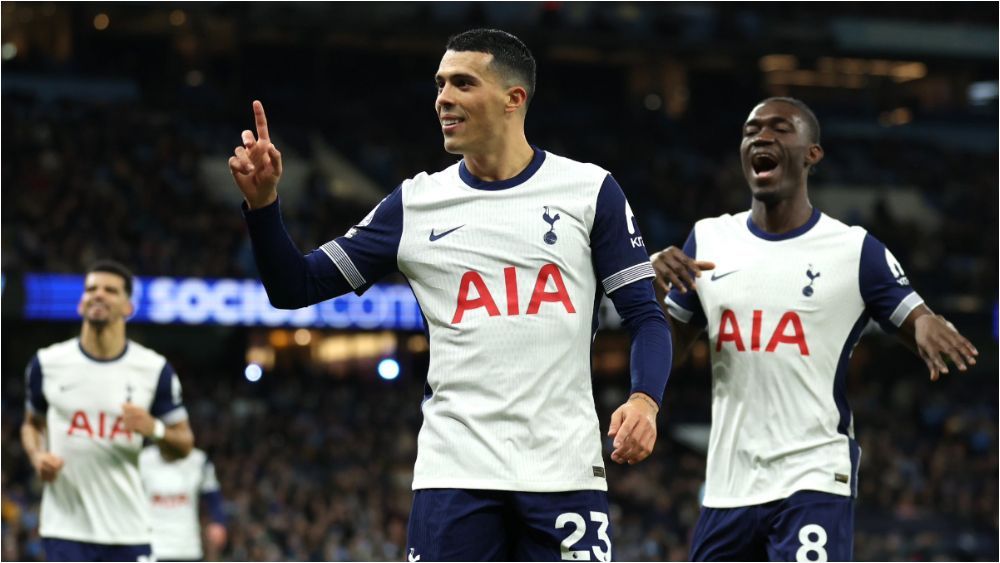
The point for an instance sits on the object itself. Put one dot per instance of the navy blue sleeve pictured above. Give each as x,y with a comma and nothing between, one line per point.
213,501
211,494
167,403
292,280
686,307
886,291
368,251
652,351
36,402
617,249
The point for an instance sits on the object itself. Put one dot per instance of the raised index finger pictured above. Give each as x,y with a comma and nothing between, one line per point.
261,120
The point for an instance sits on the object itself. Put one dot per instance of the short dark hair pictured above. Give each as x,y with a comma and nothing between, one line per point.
112,267
511,57
806,111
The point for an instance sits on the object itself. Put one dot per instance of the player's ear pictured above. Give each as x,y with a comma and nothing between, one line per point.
517,97
129,309
814,155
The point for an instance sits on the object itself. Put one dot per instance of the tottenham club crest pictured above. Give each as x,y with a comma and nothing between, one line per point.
808,290
550,237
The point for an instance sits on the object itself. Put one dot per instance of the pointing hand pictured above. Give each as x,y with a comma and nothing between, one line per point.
256,163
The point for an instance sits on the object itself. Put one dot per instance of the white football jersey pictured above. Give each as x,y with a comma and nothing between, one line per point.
98,495
174,489
508,275
783,314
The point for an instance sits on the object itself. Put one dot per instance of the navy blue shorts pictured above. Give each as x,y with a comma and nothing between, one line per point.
807,526
478,525
69,550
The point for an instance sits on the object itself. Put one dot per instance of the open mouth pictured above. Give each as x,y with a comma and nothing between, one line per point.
764,164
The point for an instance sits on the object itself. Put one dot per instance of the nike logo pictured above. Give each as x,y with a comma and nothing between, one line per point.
718,277
434,237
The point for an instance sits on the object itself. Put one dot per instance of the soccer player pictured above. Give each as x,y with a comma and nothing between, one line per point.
174,486
90,402
790,293
508,252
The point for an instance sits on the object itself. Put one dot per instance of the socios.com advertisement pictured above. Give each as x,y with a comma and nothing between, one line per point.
195,301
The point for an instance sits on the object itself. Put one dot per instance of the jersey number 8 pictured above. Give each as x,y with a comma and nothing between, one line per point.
812,538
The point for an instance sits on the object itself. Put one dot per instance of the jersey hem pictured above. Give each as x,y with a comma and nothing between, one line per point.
167,555
515,486
83,539
739,502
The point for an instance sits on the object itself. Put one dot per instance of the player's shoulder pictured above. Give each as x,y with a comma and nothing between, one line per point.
427,180
196,459
836,226
144,356
851,236
565,164
860,241
60,351
721,223
426,185
564,167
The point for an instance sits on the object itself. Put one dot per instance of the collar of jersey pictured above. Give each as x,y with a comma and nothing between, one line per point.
798,231
522,177
101,360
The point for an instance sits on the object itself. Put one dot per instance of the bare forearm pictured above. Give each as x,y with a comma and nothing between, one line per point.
907,334
179,439
46,464
936,341
32,439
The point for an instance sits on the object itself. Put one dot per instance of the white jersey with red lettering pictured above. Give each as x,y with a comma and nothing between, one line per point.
98,495
783,314
174,489
508,275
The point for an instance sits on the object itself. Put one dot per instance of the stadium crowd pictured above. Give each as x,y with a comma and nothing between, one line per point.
127,181
315,467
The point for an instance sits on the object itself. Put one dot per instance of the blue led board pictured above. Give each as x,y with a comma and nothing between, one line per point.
197,301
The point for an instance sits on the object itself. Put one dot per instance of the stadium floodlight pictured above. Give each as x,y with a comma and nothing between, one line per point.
388,369
253,373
